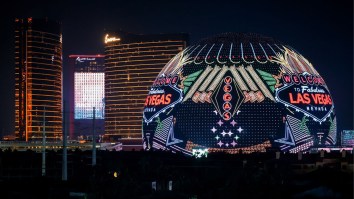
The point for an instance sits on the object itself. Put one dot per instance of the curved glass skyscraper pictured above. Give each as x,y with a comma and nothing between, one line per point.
38,79
131,65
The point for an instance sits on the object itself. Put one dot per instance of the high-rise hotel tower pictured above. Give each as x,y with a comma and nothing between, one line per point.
38,79
86,92
132,62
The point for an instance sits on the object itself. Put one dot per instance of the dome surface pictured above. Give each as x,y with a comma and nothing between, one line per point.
237,92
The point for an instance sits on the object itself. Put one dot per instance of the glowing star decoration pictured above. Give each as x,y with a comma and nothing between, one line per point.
239,129
213,130
227,144
233,123
217,137
220,123
230,133
223,133
236,137
220,143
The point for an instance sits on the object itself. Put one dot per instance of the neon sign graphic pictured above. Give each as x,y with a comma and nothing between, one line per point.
79,59
231,97
300,90
238,94
163,95
108,39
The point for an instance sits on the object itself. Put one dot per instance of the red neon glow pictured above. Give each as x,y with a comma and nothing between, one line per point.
227,88
306,98
227,116
227,106
227,97
155,100
228,80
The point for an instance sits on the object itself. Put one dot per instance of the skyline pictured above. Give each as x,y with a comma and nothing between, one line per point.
324,31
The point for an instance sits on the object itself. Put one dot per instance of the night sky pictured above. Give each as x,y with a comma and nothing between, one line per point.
322,31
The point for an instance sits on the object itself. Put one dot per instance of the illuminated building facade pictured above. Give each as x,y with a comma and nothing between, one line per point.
131,64
87,92
38,79
237,92
347,138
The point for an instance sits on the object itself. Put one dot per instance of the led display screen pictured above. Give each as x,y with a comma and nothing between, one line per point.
238,92
348,138
89,93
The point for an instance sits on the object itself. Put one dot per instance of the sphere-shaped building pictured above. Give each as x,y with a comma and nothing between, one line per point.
238,92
